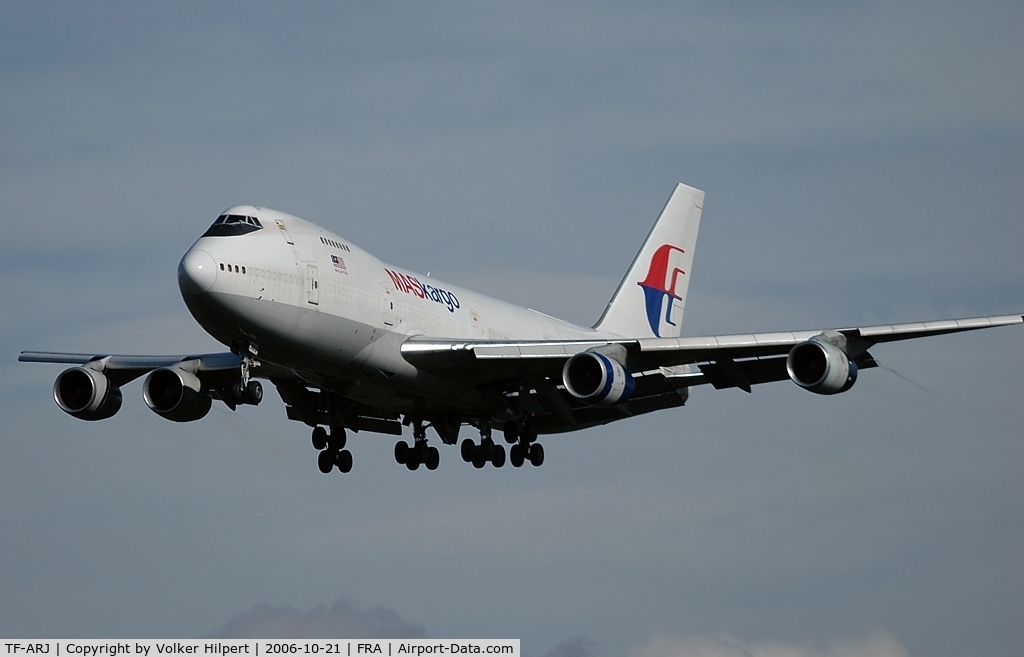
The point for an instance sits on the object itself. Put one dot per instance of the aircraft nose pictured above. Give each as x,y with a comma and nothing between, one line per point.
197,272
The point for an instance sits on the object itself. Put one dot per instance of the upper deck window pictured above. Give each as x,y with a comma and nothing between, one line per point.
228,225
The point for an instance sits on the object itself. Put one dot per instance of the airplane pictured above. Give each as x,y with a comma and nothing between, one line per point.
352,343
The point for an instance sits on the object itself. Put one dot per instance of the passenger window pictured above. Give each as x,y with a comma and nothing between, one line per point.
222,266
243,269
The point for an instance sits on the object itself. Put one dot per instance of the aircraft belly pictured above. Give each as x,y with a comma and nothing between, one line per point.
349,357
287,335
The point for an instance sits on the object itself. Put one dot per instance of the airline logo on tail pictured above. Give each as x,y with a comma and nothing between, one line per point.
660,287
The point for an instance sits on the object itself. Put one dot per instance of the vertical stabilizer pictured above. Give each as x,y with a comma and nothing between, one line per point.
651,298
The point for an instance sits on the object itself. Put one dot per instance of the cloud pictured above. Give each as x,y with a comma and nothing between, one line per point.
877,644
342,619
580,647
862,165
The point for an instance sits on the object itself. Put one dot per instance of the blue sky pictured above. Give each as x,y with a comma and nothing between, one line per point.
862,164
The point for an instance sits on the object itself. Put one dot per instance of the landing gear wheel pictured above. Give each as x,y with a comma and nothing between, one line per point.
338,438
468,449
479,457
517,455
254,393
433,458
498,456
412,461
345,460
537,454
319,438
401,451
325,461
511,431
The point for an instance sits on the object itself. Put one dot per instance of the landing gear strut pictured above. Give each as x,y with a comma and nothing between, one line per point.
419,452
332,449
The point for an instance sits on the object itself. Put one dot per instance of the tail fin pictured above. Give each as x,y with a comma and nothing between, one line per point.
651,298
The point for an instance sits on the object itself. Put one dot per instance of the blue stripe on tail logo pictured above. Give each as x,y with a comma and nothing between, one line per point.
660,288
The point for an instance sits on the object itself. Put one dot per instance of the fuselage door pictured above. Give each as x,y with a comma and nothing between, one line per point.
389,308
284,231
312,285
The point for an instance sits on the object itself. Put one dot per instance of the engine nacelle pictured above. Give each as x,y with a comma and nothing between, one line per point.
86,394
596,379
821,367
175,394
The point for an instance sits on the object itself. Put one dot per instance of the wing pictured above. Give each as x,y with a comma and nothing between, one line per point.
121,369
531,371
738,349
183,393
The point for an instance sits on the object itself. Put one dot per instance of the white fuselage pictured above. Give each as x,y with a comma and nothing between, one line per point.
307,300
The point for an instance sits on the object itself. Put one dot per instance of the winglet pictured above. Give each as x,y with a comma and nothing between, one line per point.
650,300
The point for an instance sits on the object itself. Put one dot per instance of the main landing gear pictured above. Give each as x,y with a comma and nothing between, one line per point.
486,452
522,438
332,449
524,446
419,453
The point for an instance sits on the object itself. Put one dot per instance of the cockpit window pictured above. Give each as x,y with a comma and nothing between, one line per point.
228,225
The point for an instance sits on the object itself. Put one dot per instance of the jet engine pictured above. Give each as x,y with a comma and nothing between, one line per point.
596,379
821,367
86,394
176,394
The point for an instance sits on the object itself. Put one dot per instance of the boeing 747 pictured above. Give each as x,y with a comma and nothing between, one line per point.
352,343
